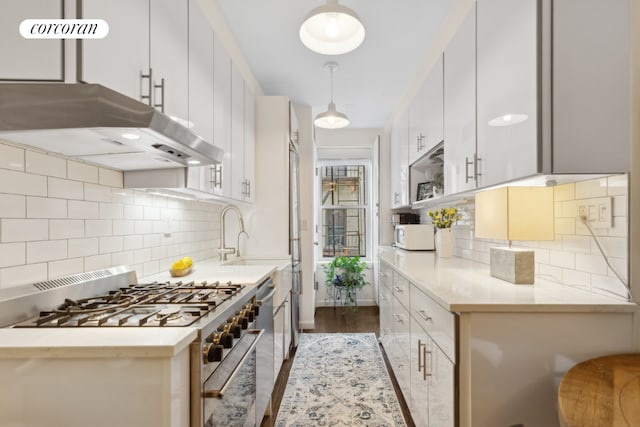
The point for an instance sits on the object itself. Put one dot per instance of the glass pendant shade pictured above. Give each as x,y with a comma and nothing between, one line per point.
331,119
332,29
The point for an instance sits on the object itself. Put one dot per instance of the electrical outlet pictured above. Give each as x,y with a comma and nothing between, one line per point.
597,212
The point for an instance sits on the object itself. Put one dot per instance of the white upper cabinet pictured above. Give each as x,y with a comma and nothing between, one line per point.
399,162
460,108
200,73
222,116
249,140
238,179
426,114
29,59
507,145
119,60
591,86
169,44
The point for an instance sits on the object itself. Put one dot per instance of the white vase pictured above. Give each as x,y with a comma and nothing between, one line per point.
444,242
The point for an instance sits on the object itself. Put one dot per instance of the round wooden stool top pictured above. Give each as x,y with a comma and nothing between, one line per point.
601,392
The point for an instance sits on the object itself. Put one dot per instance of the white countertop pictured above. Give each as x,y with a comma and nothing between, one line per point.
130,342
460,285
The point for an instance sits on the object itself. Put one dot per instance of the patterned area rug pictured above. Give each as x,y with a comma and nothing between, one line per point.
339,380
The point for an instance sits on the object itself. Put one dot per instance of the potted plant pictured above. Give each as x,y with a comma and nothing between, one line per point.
345,275
443,219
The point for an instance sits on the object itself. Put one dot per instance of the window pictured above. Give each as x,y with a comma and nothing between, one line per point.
344,204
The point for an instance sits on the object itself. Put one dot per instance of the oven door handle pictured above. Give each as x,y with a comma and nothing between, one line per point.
268,297
237,362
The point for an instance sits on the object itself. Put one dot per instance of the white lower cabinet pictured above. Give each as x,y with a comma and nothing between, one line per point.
399,347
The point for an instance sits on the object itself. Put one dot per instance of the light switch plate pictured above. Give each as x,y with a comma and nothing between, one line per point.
598,212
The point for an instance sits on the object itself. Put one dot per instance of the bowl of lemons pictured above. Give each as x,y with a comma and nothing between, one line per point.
182,267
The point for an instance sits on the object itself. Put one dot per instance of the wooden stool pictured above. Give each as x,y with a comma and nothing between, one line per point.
601,392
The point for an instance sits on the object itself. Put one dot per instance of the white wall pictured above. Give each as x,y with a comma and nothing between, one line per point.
60,217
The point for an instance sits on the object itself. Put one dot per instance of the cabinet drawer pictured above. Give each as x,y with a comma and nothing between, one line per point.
400,289
386,275
436,321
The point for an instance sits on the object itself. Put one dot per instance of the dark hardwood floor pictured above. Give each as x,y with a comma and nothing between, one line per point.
337,320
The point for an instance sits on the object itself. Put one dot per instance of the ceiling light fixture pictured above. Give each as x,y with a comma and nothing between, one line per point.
331,119
332,29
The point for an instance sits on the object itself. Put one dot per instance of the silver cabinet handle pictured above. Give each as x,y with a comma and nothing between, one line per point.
396,197
426,374
424,315
420,359
466,169
476,166
149,78
161,87
398,289
398,318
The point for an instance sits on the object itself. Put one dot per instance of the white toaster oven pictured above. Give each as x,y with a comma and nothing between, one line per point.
415,237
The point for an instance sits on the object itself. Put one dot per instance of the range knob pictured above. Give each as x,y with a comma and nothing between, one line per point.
226,337
213,352
248,313
236,327
244,319
255,308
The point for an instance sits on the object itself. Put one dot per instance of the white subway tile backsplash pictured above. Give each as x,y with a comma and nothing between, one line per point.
65,189
133,242
66,229
612,246
98,227
620,227
43,207
143,227
133,212
47,250
619,206
83,210
13,182
97,193
565,226
151,213
564,192
141,256
122,227
111,178
620,266
83,247
23,230
591,263
83,172
43,164
65,267
22,275
97,262
576,278
111,244
122,196
12,206
11,157
550,272
111,211
562,259
578,244
151,267
12,254
151,240
618,185
122,258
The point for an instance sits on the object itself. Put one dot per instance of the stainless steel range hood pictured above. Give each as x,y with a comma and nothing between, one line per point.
93,123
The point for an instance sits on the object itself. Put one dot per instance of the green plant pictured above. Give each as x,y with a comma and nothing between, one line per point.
346,273
444,217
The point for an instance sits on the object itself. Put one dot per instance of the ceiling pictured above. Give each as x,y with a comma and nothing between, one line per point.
369,82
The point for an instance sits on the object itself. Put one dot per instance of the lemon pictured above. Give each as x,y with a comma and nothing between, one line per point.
179,265
187,261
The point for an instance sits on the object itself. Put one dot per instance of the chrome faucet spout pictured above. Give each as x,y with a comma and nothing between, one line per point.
223,250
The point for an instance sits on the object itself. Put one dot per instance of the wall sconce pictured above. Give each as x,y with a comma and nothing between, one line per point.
514,213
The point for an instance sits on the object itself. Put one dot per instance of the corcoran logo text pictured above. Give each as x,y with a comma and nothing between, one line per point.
64,28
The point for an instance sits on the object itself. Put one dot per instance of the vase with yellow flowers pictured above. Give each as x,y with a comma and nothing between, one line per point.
442,219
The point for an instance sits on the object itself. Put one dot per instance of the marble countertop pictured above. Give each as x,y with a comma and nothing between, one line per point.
131,342
460,285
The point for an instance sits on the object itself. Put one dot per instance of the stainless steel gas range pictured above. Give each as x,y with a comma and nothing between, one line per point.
231,359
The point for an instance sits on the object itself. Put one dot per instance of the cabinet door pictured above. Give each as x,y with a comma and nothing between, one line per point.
507,145
238,180
278,339
169,48
433,93
200,73
417,124
460,107
249,141
386,315
441,377
419,402
119,60
222,113
29,59
400,347
394,166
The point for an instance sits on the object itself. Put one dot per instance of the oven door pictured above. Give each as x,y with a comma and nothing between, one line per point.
230,392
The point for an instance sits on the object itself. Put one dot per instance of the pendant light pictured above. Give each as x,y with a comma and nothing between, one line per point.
331,119
332,29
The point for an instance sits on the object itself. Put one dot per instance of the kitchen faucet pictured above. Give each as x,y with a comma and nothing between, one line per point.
223,251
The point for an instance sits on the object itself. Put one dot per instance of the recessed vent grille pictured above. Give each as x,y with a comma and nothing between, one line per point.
72,280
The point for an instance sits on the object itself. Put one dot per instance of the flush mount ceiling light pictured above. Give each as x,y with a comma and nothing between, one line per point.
508,120
331,119
332,29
